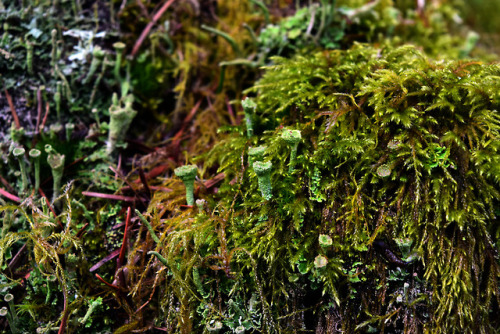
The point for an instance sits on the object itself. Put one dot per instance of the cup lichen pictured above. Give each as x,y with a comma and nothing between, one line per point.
56,163
120,120
263,171
249,107
35,155
256,154
18,152
187,174
292,138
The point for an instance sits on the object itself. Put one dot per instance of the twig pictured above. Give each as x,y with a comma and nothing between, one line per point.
108,284
154,173
150,25
216,179
107,258
82,230
64,319
16,257
12,109
121,257
124,243
145,183
189,117
9,196
151,295
44,117
6,184
108,196
231,112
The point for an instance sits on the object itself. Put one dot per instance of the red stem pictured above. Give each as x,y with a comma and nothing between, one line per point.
12,109
124,243
44,118
82,230
108,196
108,284
145,183
9,195
150,25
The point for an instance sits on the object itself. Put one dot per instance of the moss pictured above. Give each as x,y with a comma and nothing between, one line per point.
406,148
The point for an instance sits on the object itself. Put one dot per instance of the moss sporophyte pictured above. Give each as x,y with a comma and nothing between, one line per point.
187,174
263,171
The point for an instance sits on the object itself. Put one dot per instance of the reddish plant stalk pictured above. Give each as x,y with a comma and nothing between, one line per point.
12,109
9,196
150,25
108,196
108,284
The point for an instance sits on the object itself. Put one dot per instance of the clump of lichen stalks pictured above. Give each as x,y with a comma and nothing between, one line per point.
399,165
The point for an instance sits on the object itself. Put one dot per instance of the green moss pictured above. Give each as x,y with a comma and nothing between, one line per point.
405,148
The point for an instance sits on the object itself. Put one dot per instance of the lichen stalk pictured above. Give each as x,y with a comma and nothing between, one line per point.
263,171
57,99
119,47
69,127
29,57
56,163
53,53
120,120
188,174
249,107
293,138
97,56
256,154
18,152
35,155
148,226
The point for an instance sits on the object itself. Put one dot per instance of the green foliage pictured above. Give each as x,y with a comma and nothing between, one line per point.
379,213
434,128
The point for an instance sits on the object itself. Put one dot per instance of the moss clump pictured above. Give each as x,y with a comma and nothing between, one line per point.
406,148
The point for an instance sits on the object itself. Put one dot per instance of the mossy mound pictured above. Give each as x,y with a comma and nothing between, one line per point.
399,164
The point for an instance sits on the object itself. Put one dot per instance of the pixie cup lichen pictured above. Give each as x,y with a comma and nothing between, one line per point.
56,163
97,56
120,120
18,152
249,107
325,240
292,138
256,154
35,155
263,171
187,174
119,47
